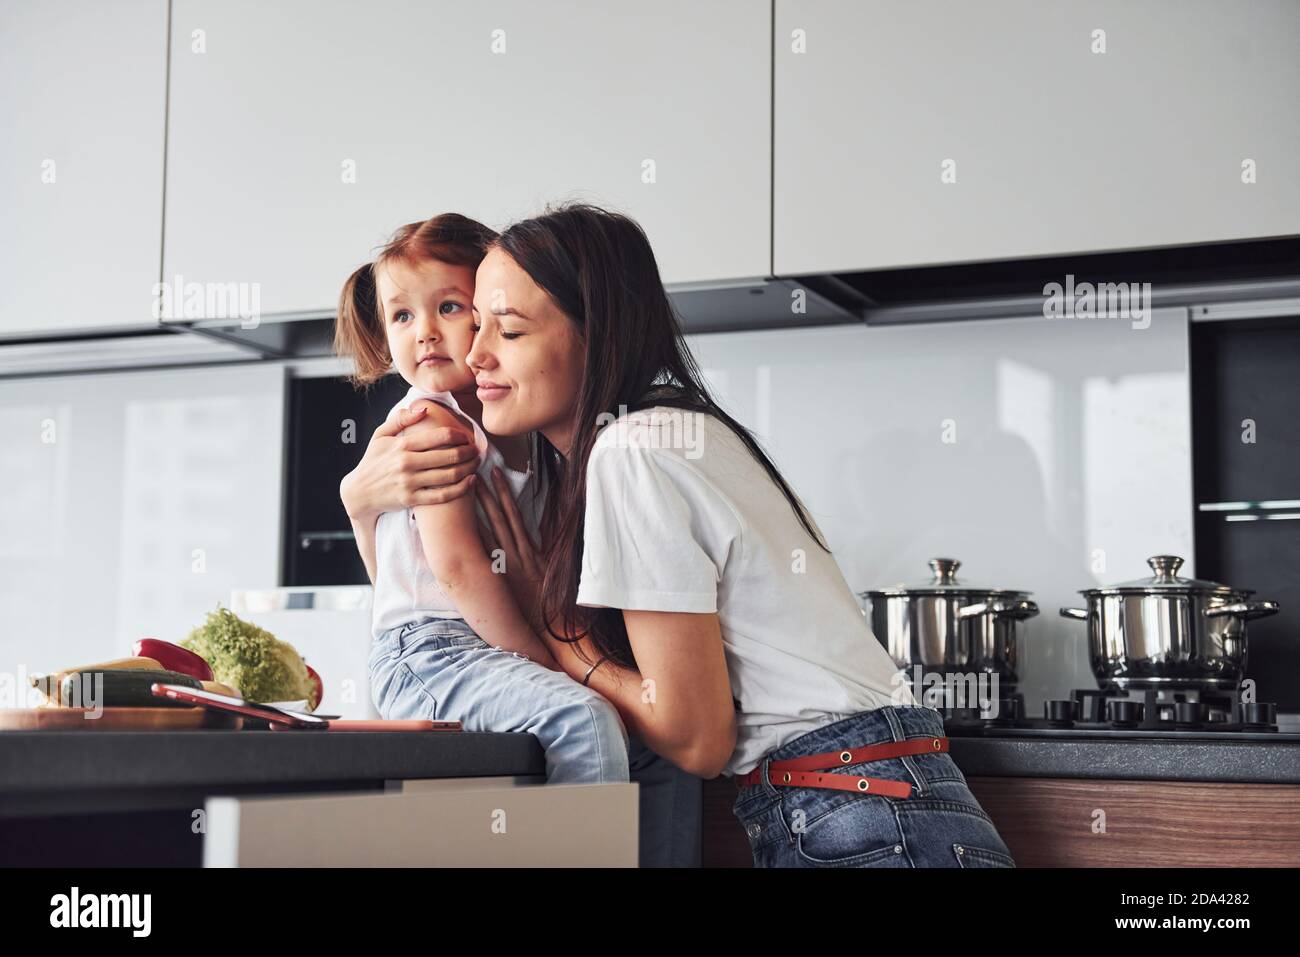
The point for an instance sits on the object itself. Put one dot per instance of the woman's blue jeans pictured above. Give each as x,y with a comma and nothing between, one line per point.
940,825
441,670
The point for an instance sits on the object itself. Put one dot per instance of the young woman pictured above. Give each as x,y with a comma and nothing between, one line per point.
680,576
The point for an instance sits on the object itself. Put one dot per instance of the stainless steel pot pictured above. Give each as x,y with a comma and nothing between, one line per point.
947,626
1168,632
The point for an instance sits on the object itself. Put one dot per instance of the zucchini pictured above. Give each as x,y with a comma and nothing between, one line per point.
127,688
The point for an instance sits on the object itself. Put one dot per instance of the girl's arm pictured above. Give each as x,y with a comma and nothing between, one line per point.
505,530
363,530
453,548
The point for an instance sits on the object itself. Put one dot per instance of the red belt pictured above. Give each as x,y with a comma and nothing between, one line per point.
795,771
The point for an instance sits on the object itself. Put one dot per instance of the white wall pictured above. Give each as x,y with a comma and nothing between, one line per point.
1072,448
130,504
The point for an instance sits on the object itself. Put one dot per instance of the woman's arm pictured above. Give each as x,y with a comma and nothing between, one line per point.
454,551
678,697
402,469
409,462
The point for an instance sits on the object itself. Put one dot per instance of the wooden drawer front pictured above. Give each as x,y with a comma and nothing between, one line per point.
1056,822
1053,822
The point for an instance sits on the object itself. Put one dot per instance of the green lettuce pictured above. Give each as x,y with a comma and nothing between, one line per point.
249,658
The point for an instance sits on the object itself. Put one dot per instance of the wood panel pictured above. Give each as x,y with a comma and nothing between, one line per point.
1054,822
1050,822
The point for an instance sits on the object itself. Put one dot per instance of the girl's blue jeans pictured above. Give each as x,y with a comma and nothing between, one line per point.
441,670
940,825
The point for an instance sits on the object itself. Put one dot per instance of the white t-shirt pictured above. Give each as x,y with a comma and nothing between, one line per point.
682,517
405,589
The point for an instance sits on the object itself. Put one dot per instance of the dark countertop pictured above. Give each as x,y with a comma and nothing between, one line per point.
59,789
1131,758
65,772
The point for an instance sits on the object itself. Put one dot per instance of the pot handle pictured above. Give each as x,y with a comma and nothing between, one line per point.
1079,614
1244,610
1018,610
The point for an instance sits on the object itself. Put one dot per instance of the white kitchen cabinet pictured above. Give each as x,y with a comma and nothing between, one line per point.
133,503
1056,148
302,133
83,88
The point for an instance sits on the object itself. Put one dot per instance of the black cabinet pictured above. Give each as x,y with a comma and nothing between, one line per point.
330,424
1245,379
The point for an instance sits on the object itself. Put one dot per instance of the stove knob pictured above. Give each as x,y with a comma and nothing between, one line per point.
1189,712
1259,712
1059,710
1125,712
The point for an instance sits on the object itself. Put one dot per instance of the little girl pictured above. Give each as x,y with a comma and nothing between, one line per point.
449,640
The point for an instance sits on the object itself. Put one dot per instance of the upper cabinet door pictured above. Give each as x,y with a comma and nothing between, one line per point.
913,133
302,133
83,87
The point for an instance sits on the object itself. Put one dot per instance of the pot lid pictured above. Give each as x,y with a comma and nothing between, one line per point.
945,581
1165,579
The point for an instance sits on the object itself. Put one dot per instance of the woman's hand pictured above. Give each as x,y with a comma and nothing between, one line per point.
568,655
506,530
425,465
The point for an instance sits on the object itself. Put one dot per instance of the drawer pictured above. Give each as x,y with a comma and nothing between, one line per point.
476,823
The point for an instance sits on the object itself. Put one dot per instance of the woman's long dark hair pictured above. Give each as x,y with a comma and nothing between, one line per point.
598,268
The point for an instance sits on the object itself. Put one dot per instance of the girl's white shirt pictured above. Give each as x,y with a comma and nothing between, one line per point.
406,590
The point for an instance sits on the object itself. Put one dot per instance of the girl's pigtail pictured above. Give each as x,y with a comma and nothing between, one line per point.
359,333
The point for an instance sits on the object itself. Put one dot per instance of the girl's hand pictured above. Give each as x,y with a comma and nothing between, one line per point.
505,530
425,465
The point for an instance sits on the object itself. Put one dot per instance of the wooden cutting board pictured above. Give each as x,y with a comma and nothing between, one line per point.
118,719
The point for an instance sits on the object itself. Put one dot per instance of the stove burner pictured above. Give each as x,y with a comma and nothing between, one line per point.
1097,711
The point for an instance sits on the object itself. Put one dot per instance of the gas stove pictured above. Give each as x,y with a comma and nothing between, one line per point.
1136,714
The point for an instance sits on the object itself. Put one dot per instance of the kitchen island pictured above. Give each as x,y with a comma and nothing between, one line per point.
99,798
124,798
